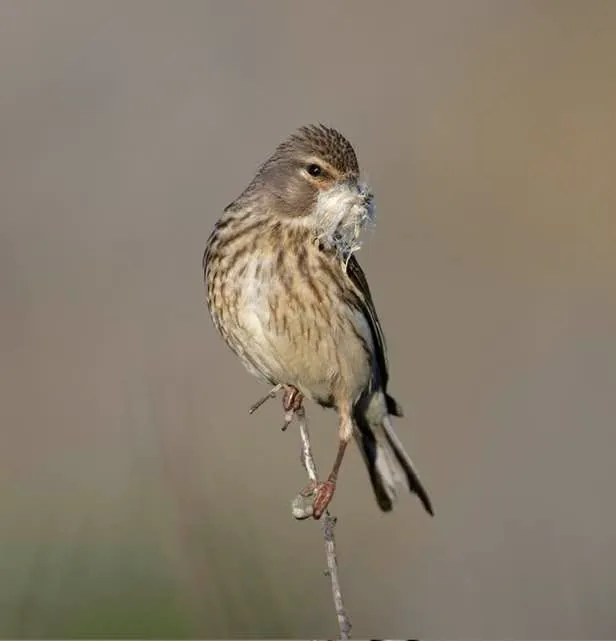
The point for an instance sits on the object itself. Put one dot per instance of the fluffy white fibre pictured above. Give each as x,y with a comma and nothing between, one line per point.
341,213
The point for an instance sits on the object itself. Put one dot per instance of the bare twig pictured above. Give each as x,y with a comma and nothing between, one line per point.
329,524
271,394
307,458
302,509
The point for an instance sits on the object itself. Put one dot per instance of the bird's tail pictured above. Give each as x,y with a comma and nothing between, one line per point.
388,463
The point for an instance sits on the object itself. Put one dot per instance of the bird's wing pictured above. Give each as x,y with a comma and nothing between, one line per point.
358,278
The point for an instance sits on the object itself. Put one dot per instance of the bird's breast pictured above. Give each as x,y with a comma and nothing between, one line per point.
297,321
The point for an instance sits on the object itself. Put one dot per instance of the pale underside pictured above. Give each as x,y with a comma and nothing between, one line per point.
289,334
297,342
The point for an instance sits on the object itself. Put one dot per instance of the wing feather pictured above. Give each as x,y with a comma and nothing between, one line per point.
358,278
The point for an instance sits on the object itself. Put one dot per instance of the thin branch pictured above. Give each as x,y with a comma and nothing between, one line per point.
300,510
307,457
263,399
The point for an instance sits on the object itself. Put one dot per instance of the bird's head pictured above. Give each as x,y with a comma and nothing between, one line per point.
313,179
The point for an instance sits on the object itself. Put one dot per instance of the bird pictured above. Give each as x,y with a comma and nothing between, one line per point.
285,291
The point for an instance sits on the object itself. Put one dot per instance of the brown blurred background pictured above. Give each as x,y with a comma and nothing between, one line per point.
138,498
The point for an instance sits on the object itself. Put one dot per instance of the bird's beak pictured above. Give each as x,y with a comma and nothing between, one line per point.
353,184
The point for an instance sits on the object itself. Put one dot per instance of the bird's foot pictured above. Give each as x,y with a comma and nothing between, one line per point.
312,500
292,404
324,493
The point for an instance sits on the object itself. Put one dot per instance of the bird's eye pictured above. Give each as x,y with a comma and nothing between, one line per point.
314,170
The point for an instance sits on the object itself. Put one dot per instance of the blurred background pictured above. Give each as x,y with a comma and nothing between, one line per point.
132,500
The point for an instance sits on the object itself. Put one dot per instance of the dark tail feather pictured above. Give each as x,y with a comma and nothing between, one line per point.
383,485
412,476
387,462
393,407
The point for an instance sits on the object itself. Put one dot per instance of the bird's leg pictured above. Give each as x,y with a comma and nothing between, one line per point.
325,491
291,404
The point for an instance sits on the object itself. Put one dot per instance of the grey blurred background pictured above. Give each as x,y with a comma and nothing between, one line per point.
133,503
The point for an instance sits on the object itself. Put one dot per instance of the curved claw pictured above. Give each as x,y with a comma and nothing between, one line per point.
292,405
292,399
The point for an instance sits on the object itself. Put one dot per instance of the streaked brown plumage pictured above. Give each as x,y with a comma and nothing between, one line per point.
288,296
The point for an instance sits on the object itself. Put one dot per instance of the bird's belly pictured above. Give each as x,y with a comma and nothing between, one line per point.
319,347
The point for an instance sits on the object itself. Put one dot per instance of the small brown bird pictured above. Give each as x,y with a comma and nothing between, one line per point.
290,299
